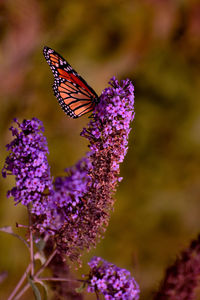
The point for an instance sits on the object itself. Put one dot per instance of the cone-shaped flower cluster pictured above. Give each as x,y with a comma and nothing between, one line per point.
107,133
111,281
27,161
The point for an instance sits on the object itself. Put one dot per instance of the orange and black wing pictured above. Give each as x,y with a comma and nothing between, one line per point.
74,95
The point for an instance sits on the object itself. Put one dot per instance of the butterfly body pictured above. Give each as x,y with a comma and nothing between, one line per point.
74,95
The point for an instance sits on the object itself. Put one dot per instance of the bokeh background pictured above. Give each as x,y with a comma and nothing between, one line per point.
156,43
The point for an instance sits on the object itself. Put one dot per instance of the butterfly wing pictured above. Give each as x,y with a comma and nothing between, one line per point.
74,95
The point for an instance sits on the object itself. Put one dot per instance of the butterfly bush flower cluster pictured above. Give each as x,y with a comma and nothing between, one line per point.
111,281
27,161
107,133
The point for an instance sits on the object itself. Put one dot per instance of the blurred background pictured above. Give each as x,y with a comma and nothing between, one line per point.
156,43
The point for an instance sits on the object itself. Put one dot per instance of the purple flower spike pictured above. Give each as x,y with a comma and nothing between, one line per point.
107,133
111,281
27,161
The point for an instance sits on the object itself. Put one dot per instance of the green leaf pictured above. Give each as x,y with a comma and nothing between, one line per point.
40,256
80,288
8,229
35,289
40,244
44,288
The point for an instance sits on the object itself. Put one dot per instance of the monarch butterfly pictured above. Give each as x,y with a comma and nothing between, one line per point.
74,95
